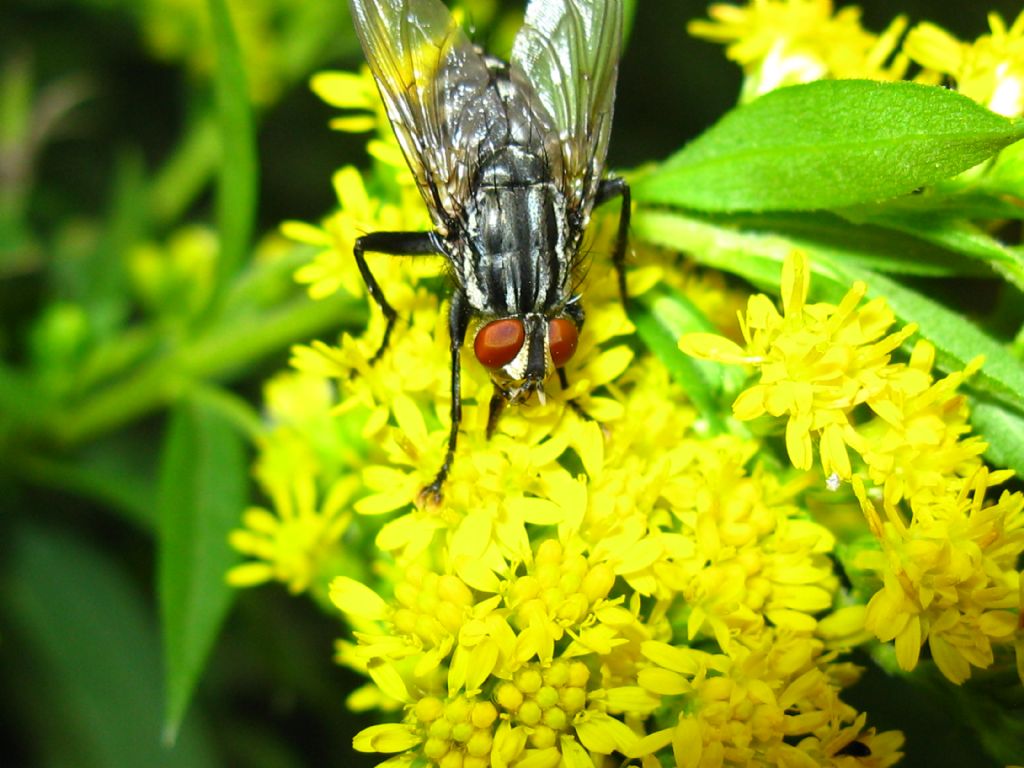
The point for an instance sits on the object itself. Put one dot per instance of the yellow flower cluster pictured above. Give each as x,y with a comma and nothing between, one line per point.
785,42
990,70
739,704
948,575
526,619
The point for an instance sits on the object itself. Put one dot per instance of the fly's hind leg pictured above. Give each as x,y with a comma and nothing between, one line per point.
393,244
606,190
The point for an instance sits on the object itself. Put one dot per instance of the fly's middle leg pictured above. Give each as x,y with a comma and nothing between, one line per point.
393,244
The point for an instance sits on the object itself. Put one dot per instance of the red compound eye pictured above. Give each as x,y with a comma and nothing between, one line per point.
498,343
562,336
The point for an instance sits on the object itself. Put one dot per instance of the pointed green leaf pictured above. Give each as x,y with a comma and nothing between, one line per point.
828,144
92,687
661,316
202,493
954,233
1003,429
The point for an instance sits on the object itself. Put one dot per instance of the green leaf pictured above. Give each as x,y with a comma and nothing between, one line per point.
829,144
202,493
1003,430
236,188
91,662
873,247
118,472
661,316
955,234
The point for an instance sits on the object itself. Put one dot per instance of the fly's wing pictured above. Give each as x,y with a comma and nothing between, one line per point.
568,50
432,80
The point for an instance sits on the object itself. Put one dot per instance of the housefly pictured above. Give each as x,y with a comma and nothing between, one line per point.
510,159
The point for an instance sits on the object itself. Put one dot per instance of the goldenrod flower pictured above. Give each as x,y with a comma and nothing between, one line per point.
297,541
769,700
950,577
785,42
948,573
990,70
919,438
441,637
817,363
524,620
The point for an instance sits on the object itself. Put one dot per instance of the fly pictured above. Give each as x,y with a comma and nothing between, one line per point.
510,159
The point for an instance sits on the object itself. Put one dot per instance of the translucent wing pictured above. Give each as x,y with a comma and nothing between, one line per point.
432,81
568,50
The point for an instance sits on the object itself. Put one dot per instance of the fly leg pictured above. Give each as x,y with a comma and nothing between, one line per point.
458,323
606,190
394,244
572,403
494,412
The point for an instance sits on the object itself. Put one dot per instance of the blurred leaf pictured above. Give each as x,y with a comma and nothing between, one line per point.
179,181
236,190
202,493
88,631
21,403
955,234
661,316
222,353
117,472
1003,430
988,704
828,144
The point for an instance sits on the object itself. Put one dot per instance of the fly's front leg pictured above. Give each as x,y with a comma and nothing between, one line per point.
606,190
494,412
393,244
575,312
572,403
458,323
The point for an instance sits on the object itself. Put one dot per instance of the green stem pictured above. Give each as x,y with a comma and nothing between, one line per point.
188,170
220,354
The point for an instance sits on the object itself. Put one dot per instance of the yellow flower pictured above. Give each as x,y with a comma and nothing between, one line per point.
734,546
296,542
505,649
817,363
770,700
918,439
784,42
990,70
950,577
304,469
538,614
